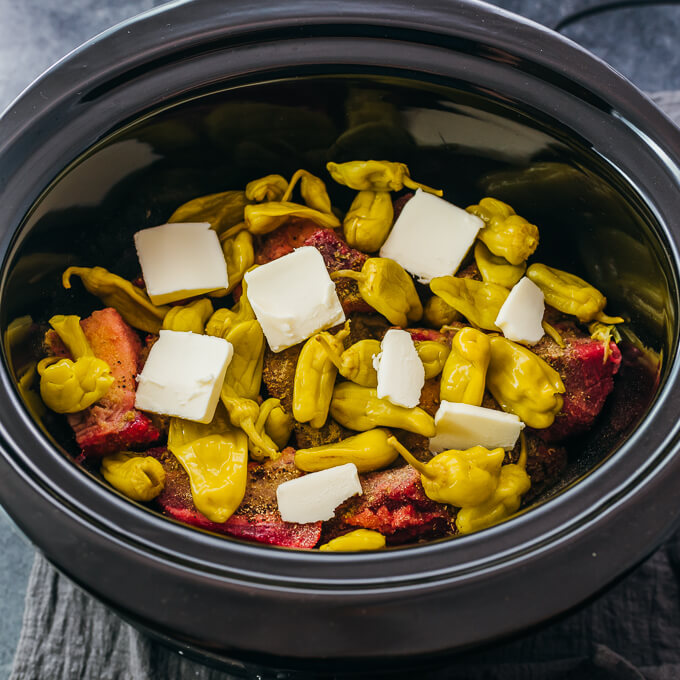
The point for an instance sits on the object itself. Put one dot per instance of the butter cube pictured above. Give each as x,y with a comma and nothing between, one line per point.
521,316
462,426
180,260
293,298
183,376
431,237
401,374
315,496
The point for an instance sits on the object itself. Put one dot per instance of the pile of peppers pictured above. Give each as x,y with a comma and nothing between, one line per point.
335,378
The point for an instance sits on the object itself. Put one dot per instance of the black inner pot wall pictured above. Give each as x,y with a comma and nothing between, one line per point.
591,221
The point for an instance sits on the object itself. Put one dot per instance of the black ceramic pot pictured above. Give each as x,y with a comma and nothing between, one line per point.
205,95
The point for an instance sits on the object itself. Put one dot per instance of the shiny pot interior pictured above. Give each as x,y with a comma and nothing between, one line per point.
592,221
470,112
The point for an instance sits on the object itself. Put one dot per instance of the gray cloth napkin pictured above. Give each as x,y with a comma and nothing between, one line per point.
631,633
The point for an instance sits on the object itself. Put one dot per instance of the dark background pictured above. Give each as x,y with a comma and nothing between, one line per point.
639,41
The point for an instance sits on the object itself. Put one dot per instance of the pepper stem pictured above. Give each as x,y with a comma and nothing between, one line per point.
408,182
266,408
603,318
232,231
553,333
291,185
332,354
348,274
410,458
248,427
522,460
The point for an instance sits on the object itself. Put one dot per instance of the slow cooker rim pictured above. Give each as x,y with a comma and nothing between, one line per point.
665,461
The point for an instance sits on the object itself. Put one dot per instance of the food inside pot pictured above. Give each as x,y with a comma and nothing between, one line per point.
292,373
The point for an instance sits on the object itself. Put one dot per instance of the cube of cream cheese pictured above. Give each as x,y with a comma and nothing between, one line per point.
180,260
315,496
431,237
401,374
521,315
462,426
293,298
183,375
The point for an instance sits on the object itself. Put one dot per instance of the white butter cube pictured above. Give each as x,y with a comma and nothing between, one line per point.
401,374
183,376
462,426
521,315
180,260
315,496
293,298
431,237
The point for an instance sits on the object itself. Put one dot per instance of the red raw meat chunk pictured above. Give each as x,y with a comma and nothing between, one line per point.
588,379
338,255
257,518
393,503
335,252
423,334
113,423
285,239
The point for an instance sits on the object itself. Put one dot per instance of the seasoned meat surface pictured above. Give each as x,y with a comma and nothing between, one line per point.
338,255
257,518
285,239
113,423
394,503
588,379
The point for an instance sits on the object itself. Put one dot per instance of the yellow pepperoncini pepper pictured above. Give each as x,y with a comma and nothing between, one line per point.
385,285
523,384
606,334
369,220
505,233
215,456
356,362
263,218
433,354
221,211
131,302
570,294
460,478
464,375
25,384
553,333
243,413
268,188
496,269
244,372
220,322
513,483
189,318
376,176
355,541
239,255
274,422
241,329
438,313
69,386
315,378
140,478
369,451
479,302
313,190
358,408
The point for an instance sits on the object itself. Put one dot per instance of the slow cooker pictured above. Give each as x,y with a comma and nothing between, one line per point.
202,96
